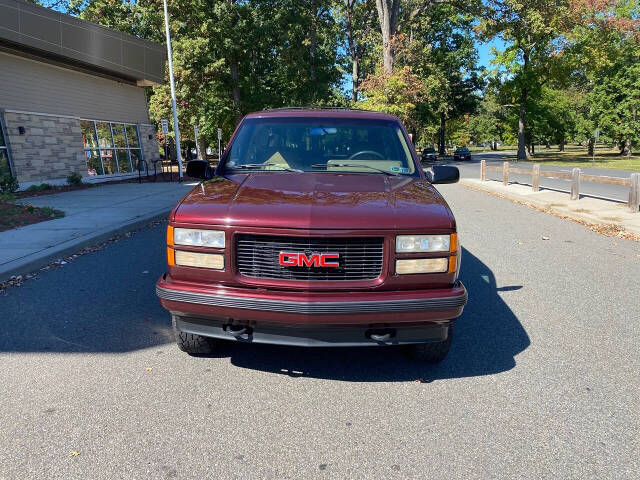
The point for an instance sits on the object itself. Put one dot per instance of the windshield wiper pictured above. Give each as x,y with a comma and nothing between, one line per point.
260,165
354,165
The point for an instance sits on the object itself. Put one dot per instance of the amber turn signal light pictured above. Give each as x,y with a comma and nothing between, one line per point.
169,235
453,243
452,264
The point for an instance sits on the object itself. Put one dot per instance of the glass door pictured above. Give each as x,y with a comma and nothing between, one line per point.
5,167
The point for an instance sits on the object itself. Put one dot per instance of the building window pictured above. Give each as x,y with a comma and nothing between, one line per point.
110,148
5,166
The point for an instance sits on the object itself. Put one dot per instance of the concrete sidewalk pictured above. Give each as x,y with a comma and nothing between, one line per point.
92,216
586,209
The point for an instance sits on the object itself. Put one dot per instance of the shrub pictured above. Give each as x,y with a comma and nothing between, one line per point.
7,197
51,212
74,179
8,184
36,188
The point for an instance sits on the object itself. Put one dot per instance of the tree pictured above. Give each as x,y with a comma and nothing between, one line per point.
394,16
234,56
529,28
398,94
442,49
488,124
606,52
358,18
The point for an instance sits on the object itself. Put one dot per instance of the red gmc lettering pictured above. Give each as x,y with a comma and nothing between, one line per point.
329,256
298,259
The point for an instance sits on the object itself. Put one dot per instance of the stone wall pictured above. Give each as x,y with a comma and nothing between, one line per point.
51,147
149,145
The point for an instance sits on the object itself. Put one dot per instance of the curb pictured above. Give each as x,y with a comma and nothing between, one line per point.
544,204
35,261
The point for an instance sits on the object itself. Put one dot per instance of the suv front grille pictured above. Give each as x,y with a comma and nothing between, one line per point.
360,258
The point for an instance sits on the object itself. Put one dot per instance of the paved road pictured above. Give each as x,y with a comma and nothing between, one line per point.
542,380
614,192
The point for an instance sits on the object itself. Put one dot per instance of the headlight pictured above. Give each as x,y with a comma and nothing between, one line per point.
422,265
198,238
214,261
422,243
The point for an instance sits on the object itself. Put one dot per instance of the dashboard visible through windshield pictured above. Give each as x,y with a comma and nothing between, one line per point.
320,144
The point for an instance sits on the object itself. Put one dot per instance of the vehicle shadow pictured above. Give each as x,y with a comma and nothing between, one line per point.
103,301
487,338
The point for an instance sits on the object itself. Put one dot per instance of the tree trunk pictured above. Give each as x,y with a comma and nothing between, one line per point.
235,88
494,145
561,146
441,146
522,152
387,15
313,47
590,147
533,148
355,79
202,148
353,52
547,144
627,147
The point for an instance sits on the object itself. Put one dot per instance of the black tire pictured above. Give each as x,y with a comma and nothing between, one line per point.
192,343
433,352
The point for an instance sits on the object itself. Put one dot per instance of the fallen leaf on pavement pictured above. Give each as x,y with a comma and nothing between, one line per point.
545,238
74,453
149,369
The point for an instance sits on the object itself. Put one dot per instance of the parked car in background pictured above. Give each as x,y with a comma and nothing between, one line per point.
317,228
429,154
461,154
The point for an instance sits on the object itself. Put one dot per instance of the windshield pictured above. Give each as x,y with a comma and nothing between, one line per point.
429,150
462,150
320,144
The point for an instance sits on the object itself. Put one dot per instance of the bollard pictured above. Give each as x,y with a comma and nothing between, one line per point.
634,192
535,180
483,172
505,173
575,184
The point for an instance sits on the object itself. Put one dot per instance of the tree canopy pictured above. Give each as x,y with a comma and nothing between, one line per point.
563,67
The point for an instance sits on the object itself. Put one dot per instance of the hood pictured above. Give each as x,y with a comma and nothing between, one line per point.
316,201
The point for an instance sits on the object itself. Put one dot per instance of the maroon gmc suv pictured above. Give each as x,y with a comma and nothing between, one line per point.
317,228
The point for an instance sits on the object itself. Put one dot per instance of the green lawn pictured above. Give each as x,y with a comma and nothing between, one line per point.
575,155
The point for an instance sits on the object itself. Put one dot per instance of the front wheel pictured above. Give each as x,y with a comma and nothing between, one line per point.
192,343
432,352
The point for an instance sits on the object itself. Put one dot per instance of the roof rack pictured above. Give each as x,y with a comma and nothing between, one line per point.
318,107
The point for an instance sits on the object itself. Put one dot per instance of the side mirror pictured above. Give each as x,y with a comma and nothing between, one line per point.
443,174
199,169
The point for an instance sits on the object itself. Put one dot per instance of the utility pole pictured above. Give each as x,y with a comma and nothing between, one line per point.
176,131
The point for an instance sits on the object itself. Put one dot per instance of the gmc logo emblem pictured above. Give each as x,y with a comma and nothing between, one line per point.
299,259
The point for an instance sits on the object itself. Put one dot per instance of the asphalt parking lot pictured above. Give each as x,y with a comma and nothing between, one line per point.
541,382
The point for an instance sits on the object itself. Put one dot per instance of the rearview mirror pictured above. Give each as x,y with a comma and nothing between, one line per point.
323,131
443,174
199,169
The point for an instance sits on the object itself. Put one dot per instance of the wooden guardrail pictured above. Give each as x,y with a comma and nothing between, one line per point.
576,176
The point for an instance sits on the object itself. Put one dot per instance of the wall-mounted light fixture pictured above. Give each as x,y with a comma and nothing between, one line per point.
21,130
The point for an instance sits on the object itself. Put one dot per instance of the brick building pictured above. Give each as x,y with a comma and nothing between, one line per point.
71,97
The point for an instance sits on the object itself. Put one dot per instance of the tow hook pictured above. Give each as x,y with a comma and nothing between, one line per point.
381,335
237,330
